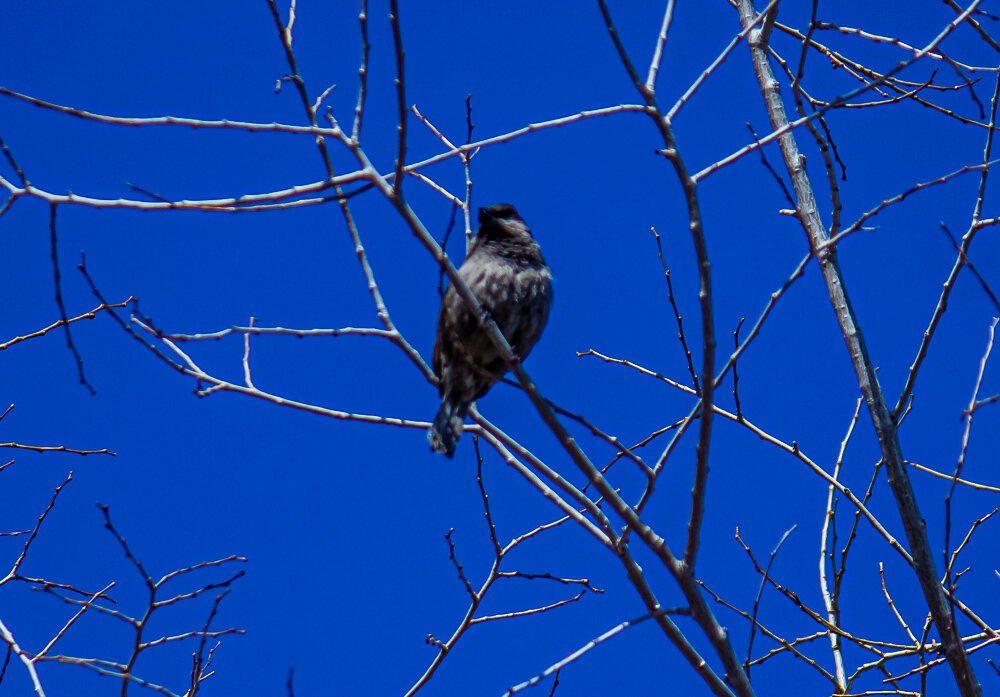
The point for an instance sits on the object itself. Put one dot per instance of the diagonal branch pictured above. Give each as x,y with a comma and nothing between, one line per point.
885,425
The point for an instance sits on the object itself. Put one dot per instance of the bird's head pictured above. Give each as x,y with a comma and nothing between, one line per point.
501,222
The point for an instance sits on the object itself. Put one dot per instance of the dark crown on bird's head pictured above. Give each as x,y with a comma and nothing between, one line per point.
501,221
499,210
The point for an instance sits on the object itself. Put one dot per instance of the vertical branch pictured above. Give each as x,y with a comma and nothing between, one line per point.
444,245
397,40
661,40
690,188
200,664
830,601
247,378
57,278
770,17
708,347
806,42
497,549
683,570
362,73
885,425
978,210
291,21
961,458
467,166
677,313
286,42
736,375
821,141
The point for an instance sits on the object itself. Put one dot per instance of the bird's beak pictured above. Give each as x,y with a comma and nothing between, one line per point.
484,215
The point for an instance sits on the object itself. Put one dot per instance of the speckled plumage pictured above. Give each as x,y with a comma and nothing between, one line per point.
507,273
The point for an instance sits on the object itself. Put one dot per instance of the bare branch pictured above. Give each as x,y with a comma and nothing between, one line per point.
42,332
885,425
554,668
397,42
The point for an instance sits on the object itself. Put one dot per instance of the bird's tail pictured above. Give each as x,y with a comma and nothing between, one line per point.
447,427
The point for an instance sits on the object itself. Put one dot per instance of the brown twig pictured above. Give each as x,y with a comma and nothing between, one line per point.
760,592
42,332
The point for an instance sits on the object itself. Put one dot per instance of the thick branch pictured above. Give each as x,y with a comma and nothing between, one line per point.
885,426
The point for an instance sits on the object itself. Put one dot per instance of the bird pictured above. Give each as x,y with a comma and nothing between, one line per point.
507,273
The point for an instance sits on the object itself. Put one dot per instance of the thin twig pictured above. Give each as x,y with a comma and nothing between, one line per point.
42,332
882,418
617,629
13,163
961,456
397,42
677,313
362,80
486,499
831,600
960,261
661,40
760,592
53,239
736,375
38,525
975,272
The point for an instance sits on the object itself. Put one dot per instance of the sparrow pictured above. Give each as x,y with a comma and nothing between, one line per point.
507,273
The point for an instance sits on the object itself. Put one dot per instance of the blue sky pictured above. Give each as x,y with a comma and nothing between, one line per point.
342,523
